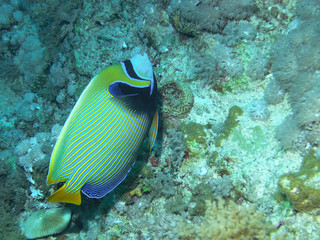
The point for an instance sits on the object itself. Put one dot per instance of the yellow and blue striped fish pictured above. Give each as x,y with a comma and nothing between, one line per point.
100,139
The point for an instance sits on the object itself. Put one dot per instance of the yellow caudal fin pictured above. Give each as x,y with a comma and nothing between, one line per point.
62,196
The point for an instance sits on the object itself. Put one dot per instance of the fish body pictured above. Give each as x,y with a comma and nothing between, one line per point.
99,142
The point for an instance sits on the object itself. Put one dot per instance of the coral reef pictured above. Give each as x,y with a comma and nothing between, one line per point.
30,58
259,110
230,68
300,226
227,220
13,185
273,93
6,14
295,57
174,155
207,56
235,31
221,68
211,15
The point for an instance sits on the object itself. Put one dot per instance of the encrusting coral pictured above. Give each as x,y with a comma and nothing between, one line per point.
302,188
177,98
226,220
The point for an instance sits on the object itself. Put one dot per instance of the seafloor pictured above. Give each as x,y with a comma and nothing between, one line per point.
237,153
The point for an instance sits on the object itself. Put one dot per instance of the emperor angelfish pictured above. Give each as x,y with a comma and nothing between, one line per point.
99,142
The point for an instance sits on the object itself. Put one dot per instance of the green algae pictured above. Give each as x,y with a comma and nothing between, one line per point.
229,124
212,159
255,141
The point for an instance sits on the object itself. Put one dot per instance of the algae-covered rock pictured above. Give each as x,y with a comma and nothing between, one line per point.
194,136
200,195
303,188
